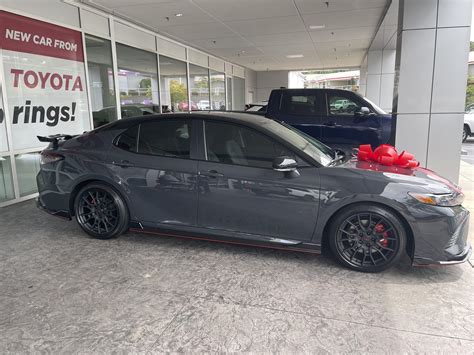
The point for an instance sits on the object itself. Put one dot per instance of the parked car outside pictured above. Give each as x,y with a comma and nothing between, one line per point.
468,128
245,179
184,106
204,105
340,119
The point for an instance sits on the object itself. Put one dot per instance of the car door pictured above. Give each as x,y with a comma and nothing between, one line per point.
301,109
152,161
345,126
240,192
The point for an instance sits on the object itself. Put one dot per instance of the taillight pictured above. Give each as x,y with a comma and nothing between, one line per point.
48,157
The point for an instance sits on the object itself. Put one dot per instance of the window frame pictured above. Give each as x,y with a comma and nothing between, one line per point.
193,150
346,96
302,162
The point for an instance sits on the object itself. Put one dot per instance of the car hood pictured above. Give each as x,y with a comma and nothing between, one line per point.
420,178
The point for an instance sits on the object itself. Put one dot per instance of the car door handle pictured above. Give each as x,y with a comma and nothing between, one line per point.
211,173
330,124
123,164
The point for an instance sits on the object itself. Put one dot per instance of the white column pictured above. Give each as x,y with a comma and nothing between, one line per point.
380,77
430,84
363,78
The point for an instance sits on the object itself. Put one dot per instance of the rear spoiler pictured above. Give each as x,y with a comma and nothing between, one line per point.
55,139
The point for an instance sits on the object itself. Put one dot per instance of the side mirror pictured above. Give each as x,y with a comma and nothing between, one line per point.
363,111
284,164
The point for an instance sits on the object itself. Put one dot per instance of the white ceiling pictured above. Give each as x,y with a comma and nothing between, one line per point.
259,34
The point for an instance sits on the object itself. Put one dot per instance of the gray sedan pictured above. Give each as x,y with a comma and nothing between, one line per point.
245,179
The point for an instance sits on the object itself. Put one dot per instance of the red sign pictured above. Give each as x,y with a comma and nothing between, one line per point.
23,34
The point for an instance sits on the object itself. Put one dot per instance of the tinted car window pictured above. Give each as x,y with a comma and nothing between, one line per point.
234,144
129,139
299,104
165,138
342,105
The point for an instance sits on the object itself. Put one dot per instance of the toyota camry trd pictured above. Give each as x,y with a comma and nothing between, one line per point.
246,179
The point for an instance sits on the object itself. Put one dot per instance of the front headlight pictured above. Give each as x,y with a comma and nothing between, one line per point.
444,200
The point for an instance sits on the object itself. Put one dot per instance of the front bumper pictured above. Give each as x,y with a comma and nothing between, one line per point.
443,240
463,257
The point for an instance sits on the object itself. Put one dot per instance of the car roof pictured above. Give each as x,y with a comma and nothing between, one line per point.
234,117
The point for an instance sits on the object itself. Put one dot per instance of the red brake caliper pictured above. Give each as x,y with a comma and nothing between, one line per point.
380,229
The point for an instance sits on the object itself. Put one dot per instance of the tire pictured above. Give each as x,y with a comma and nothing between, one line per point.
367,238
100,211
465,133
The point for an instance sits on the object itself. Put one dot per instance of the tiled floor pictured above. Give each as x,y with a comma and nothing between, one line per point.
62,292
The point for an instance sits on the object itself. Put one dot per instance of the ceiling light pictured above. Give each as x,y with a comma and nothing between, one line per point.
179,15
295,56
317,27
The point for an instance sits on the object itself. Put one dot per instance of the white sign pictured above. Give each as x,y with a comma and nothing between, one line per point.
46,96
44,80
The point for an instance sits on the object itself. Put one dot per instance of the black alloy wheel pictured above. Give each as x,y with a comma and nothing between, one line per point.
367,238
100,211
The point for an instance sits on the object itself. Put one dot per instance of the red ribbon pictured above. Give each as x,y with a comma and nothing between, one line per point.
386,154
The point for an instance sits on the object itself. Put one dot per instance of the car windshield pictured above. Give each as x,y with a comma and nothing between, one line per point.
314,148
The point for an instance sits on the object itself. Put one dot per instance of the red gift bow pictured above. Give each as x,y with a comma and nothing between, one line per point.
387,154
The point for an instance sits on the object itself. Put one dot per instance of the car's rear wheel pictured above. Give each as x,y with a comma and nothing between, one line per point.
367,238
100,211
465,133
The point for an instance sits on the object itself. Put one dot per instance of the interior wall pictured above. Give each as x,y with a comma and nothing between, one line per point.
378,68
250,86
269,80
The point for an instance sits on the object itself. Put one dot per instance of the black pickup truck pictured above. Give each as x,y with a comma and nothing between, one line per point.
339,118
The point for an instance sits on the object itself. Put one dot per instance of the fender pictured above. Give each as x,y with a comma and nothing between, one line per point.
327,209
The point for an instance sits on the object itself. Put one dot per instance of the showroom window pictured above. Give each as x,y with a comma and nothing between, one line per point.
101,80
239,94
138,81
174,85
165,138
239,145
27,167
199,86
217,90
6,181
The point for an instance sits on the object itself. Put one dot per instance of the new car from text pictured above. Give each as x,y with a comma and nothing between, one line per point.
246,179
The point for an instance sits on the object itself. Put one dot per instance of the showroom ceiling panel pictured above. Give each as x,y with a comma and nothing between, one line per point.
199,31
345,19
260,34
268,26
280,39
290,49
235,42
237,52
161,15
231,10
116,3
323,6
352,44
342,34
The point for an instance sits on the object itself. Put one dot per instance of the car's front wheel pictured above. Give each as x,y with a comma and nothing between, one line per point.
100,211
367,238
